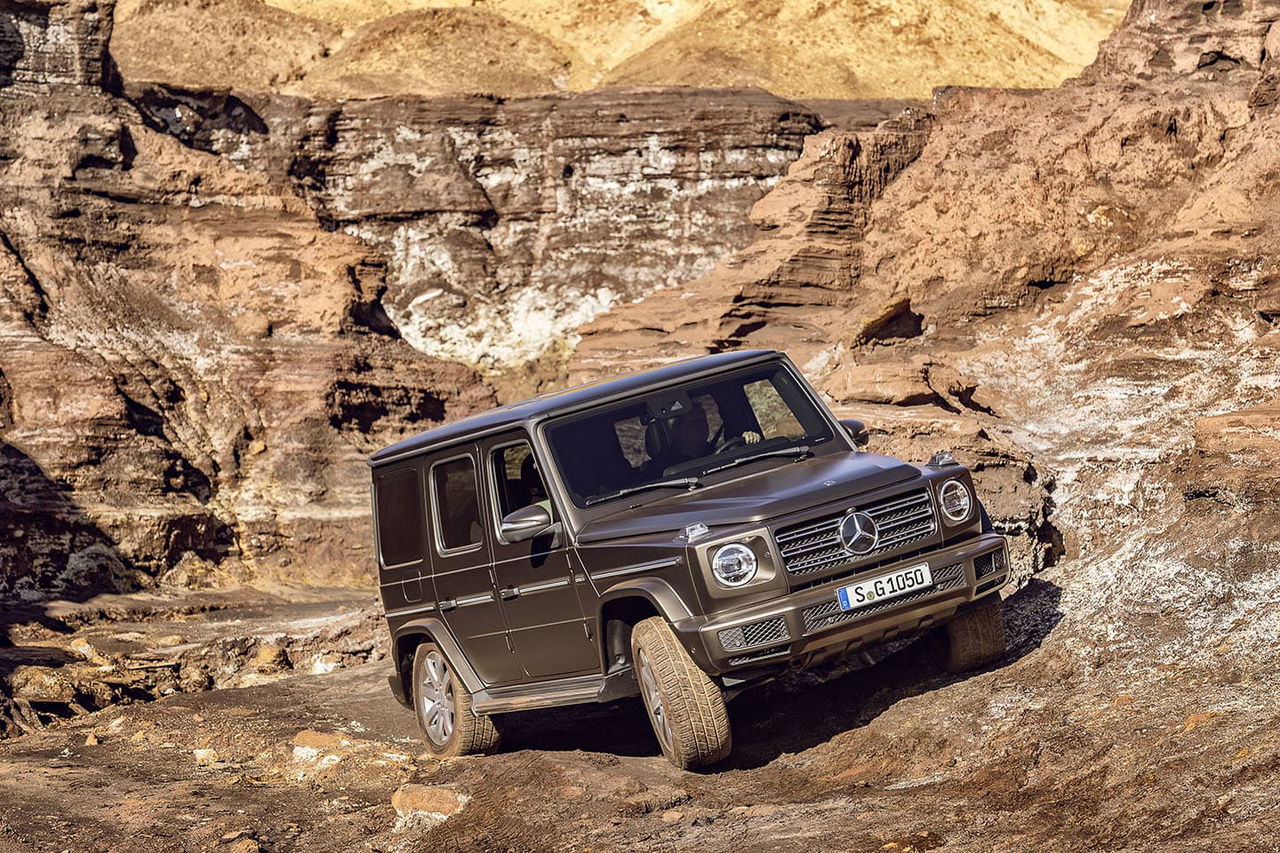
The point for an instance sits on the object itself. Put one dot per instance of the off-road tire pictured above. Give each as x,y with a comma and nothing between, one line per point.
470,733
692,703
976,637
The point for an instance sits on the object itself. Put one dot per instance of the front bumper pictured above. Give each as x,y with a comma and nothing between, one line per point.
803,626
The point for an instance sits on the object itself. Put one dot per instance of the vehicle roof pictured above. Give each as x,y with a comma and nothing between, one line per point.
526,412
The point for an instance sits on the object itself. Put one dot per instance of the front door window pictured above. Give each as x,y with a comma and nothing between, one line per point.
519,481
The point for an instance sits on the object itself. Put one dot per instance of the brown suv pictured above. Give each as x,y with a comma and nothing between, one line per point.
678,534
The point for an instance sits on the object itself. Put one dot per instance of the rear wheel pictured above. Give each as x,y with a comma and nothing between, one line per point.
685,706
443,707
976,637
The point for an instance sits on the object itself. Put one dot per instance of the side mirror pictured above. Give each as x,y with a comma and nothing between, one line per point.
525,523
857,431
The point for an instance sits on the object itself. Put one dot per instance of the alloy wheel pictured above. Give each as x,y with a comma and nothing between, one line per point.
437,700
653,702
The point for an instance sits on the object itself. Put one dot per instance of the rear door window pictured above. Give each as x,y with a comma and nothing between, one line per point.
457,504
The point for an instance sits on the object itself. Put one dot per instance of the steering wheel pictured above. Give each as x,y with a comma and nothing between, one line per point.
731,443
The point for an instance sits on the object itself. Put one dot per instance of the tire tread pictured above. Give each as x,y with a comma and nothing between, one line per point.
976,637
694,703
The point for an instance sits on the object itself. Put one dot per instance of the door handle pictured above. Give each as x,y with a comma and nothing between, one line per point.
508,592
447,605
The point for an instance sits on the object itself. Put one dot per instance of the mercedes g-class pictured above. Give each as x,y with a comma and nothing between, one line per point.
677,534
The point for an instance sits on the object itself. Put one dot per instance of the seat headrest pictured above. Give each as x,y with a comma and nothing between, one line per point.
656,439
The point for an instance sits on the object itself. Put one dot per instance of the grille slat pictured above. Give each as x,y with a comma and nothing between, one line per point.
822,616
814,546
831,523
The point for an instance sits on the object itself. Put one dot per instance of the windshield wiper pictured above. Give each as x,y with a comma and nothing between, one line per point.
675,483
800,452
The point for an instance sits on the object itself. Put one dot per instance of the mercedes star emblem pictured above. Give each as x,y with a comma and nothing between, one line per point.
858,533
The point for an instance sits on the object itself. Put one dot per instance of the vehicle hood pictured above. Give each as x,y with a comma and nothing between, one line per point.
787,486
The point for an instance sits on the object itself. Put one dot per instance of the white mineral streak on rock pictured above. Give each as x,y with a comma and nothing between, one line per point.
1102,433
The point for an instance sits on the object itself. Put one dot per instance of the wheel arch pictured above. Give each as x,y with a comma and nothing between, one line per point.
625,604
405,641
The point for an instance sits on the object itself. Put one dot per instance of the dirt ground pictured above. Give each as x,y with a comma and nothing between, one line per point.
883,752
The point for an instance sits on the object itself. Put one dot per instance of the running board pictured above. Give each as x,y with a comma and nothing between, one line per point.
580,690
526,697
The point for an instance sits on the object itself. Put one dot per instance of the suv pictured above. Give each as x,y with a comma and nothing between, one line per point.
678,534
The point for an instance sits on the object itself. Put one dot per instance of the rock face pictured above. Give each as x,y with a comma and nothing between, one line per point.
192,365
506,224
794,287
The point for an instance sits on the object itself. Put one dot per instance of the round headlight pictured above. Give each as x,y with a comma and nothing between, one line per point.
956,501
734,564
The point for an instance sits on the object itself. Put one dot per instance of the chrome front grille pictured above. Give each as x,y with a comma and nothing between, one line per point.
814,546
755,634
824,615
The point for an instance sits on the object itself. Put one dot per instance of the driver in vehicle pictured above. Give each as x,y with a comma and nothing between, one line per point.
690,439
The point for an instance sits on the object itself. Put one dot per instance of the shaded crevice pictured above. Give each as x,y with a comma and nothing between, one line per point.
35,305
359,406
195,118
896,322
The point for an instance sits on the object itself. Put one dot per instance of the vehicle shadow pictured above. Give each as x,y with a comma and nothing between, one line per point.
619,728
799,710
805,709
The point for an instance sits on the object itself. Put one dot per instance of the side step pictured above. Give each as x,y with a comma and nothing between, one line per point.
579,690
526,697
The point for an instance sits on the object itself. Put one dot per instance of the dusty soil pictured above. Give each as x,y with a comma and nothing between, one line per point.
1036,753
340,48
1075,290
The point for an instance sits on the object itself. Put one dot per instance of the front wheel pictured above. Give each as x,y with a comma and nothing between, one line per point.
443,707
976,637
685,706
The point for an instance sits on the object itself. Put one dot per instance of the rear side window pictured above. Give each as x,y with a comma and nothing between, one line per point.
400,517
453,484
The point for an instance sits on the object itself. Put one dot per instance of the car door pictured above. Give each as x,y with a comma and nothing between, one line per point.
535,578
462,570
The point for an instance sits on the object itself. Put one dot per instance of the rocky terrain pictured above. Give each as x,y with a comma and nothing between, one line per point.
1076,289
793,48
214,306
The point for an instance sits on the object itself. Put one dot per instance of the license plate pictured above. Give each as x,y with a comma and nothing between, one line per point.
884,587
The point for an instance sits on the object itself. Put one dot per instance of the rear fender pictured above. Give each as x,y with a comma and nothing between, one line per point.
437,632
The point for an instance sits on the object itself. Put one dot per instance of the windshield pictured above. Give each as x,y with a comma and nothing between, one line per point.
668,439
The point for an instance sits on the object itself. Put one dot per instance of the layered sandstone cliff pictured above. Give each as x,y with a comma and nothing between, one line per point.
193,366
